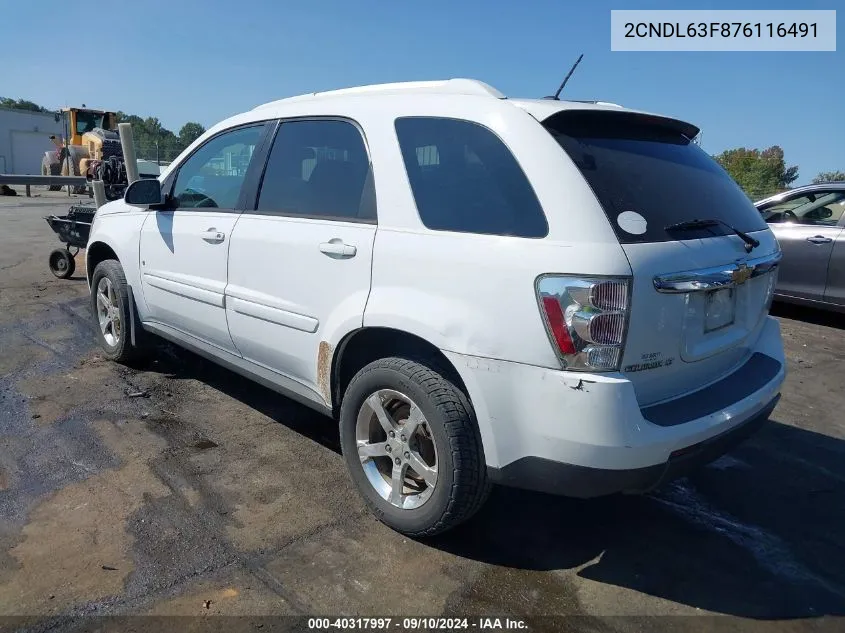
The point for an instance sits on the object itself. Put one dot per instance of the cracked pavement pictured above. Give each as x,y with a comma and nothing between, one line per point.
158,488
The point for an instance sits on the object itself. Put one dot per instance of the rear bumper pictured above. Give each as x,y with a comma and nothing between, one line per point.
545,475
586,435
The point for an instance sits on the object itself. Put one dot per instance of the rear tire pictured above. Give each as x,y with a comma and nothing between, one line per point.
62,263
111,308
423,482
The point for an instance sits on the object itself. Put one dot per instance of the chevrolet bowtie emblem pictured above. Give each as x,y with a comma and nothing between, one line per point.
741,274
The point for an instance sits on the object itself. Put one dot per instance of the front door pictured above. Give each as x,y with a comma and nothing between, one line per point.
300,257
807,226
184,247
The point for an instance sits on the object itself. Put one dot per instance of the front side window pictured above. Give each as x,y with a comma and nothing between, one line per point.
819,208
465,179
318,169
213,175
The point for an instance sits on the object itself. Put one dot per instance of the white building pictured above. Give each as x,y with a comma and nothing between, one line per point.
24,137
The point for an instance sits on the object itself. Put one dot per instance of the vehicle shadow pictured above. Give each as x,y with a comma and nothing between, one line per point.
827,318
757,534
181,364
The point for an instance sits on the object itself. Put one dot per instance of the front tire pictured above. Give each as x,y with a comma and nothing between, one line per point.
50,169
111,308
412,447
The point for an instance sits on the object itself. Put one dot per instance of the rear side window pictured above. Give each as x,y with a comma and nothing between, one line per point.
465,179
647,167
318,169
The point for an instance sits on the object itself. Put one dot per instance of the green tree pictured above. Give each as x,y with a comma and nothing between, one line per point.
153,141
21,104
830,176
144,137
136,121
759,173
169,145
153,126
190,132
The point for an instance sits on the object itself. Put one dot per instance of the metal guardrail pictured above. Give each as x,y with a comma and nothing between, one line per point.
28,181
14,179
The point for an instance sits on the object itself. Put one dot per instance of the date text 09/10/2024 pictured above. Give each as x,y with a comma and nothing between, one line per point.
412,623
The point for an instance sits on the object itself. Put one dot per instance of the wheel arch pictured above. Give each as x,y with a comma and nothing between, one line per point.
366,344
97,252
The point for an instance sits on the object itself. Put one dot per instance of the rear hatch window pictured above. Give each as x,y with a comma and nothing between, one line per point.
648,175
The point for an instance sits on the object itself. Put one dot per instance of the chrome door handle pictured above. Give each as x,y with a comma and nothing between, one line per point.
819,239
213,236
337,249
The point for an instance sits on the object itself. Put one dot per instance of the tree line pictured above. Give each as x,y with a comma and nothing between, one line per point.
763,173
153,141
760,173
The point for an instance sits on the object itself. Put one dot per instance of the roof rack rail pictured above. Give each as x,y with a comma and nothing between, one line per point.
445,86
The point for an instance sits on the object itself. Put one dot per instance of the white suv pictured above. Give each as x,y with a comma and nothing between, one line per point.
563,296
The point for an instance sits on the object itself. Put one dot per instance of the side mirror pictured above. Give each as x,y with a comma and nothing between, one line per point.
144,193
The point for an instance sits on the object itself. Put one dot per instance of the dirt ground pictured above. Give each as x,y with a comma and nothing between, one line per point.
178,488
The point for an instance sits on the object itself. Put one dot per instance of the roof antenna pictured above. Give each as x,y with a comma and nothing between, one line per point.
565,79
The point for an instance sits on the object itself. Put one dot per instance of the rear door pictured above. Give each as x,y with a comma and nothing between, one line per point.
300,257
700,294
184,247
807,225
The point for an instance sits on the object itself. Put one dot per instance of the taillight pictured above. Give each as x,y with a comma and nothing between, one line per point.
586,319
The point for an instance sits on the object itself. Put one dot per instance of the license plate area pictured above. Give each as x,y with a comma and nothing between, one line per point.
719,309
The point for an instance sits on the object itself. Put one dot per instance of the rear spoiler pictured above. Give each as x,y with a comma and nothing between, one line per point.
622,124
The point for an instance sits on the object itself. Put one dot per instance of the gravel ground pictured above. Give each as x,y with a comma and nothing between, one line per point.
208,495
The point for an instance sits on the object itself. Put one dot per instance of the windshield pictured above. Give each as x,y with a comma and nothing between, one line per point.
647,175
87,121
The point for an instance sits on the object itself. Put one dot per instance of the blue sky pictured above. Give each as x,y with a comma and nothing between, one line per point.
204,60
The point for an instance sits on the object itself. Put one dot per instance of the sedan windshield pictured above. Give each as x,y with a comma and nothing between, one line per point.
824,209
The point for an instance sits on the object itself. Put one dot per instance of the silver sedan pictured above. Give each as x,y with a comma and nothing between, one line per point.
809,223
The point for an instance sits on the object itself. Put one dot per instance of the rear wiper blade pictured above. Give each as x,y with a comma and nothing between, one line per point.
691,225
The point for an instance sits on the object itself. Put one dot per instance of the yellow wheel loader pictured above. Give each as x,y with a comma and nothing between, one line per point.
93,150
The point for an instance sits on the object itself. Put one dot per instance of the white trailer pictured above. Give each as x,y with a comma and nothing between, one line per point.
25,137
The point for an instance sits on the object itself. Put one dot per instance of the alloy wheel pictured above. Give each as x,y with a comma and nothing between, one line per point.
396,449
108,312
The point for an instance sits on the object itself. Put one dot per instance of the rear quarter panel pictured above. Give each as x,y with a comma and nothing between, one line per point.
470,293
